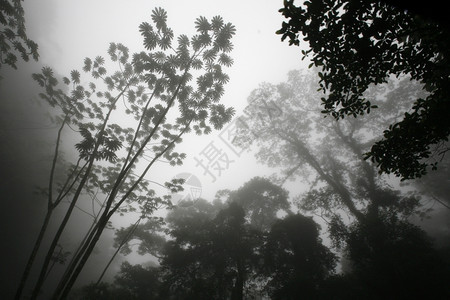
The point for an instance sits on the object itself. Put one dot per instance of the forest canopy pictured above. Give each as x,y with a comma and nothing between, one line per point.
328,223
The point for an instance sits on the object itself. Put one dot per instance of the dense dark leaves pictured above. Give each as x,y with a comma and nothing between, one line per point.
395,259
359,43
295,259
262,200
133,282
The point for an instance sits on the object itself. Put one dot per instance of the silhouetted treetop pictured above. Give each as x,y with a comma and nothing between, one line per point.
360,43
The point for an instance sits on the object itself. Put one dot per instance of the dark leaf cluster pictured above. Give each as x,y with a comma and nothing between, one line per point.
13,37
361,43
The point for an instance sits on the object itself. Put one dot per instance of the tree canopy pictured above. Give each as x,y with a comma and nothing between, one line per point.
360,43
326,154
131,108
215,251
13,37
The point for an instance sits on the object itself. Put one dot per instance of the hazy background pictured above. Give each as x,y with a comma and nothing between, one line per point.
69,31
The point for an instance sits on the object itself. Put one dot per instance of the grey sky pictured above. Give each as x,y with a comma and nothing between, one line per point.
69,31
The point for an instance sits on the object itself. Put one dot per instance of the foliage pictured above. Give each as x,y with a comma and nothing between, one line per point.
285,125
136,282
296,260
360,43
149,234
214,251
210,258
133,282
13,36
261,200
435,185
393,258
218,252
144,92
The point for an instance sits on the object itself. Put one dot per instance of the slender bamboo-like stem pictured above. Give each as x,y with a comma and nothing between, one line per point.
50,208
103,221
122,243
83,241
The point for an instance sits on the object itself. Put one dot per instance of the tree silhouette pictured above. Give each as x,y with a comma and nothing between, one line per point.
209,256
215,251
391,258
133,282
145,86
295,259
326,154
261,200
360,43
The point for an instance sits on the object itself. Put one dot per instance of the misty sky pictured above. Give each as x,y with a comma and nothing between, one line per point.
69,31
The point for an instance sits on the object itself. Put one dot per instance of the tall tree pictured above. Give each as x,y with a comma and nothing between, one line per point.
209,256
215,251
284,123
360,43
261,200
391,258
114,159
295,259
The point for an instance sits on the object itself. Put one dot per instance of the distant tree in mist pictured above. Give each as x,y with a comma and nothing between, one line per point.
436,184
225,254
262,200
284,124
133,282
131,112
209,257
360,43
13,36
296,261
392,258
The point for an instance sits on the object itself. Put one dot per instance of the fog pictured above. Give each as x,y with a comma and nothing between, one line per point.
276,179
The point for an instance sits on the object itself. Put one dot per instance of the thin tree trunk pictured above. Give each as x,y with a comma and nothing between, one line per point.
73,202
123,242
66,282
32,257
50,208
106,216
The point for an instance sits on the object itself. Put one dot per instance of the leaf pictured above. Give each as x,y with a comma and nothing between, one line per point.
183,41
202,24
75,75
87,64
216,23
225,60
99,60
159,17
